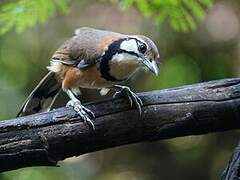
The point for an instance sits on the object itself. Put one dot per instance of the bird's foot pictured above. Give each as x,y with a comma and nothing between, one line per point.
82,111
132,97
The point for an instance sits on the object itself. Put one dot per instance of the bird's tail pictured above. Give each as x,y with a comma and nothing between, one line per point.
42,97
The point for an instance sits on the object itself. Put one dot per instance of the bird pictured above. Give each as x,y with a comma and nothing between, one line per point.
93,59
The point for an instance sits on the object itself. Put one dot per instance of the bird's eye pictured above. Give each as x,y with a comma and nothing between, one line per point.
142,48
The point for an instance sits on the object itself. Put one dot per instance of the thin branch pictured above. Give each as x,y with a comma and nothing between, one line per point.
46,138
232,171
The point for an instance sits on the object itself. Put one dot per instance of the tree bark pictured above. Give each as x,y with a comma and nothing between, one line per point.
232,171
46,138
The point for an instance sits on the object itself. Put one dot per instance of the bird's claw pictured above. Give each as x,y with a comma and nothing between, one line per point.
132,97
82,111
89,112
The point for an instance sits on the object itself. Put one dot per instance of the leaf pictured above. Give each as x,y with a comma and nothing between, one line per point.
195,8
207,3
27,13
144,7
181,14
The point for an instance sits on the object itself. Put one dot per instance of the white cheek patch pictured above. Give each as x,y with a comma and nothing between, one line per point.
124,57
129,45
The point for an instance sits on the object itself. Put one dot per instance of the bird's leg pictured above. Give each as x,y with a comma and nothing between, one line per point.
132,97
82,111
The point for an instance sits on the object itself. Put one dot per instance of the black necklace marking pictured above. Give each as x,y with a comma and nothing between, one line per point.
113,49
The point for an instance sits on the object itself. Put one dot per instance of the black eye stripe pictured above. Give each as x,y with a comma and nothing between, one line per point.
128,52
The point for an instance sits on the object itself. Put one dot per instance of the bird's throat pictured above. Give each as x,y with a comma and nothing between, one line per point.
116,64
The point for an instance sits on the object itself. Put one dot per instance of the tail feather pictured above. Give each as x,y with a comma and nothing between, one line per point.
42,97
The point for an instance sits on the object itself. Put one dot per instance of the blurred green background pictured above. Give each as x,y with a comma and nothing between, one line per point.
194,48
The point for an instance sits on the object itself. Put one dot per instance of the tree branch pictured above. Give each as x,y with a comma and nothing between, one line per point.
44,139
232,171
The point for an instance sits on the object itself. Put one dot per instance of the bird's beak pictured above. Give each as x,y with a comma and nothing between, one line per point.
151,65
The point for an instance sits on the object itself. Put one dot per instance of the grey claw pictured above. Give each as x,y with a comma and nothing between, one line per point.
90,123
70,104
89,111
132,97
139,107
130,100
82,111
138,103
116,94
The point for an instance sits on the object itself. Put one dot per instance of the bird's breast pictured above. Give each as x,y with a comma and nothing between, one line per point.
72,77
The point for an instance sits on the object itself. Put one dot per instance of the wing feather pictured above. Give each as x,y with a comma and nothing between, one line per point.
85,48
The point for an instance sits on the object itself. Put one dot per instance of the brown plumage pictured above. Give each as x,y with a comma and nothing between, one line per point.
92,59
86,45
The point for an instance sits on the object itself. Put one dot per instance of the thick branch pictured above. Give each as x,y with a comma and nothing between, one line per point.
44,139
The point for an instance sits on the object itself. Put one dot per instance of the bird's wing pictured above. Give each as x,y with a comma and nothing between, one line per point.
85,47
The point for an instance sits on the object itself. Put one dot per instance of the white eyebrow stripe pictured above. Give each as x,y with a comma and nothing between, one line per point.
141,40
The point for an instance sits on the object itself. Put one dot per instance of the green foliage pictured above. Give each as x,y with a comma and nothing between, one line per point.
181,14
26,13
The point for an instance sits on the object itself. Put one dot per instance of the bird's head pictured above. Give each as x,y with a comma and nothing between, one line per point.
125,55
142,50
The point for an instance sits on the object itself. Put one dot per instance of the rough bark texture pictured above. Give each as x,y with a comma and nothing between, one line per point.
44,139
232,171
